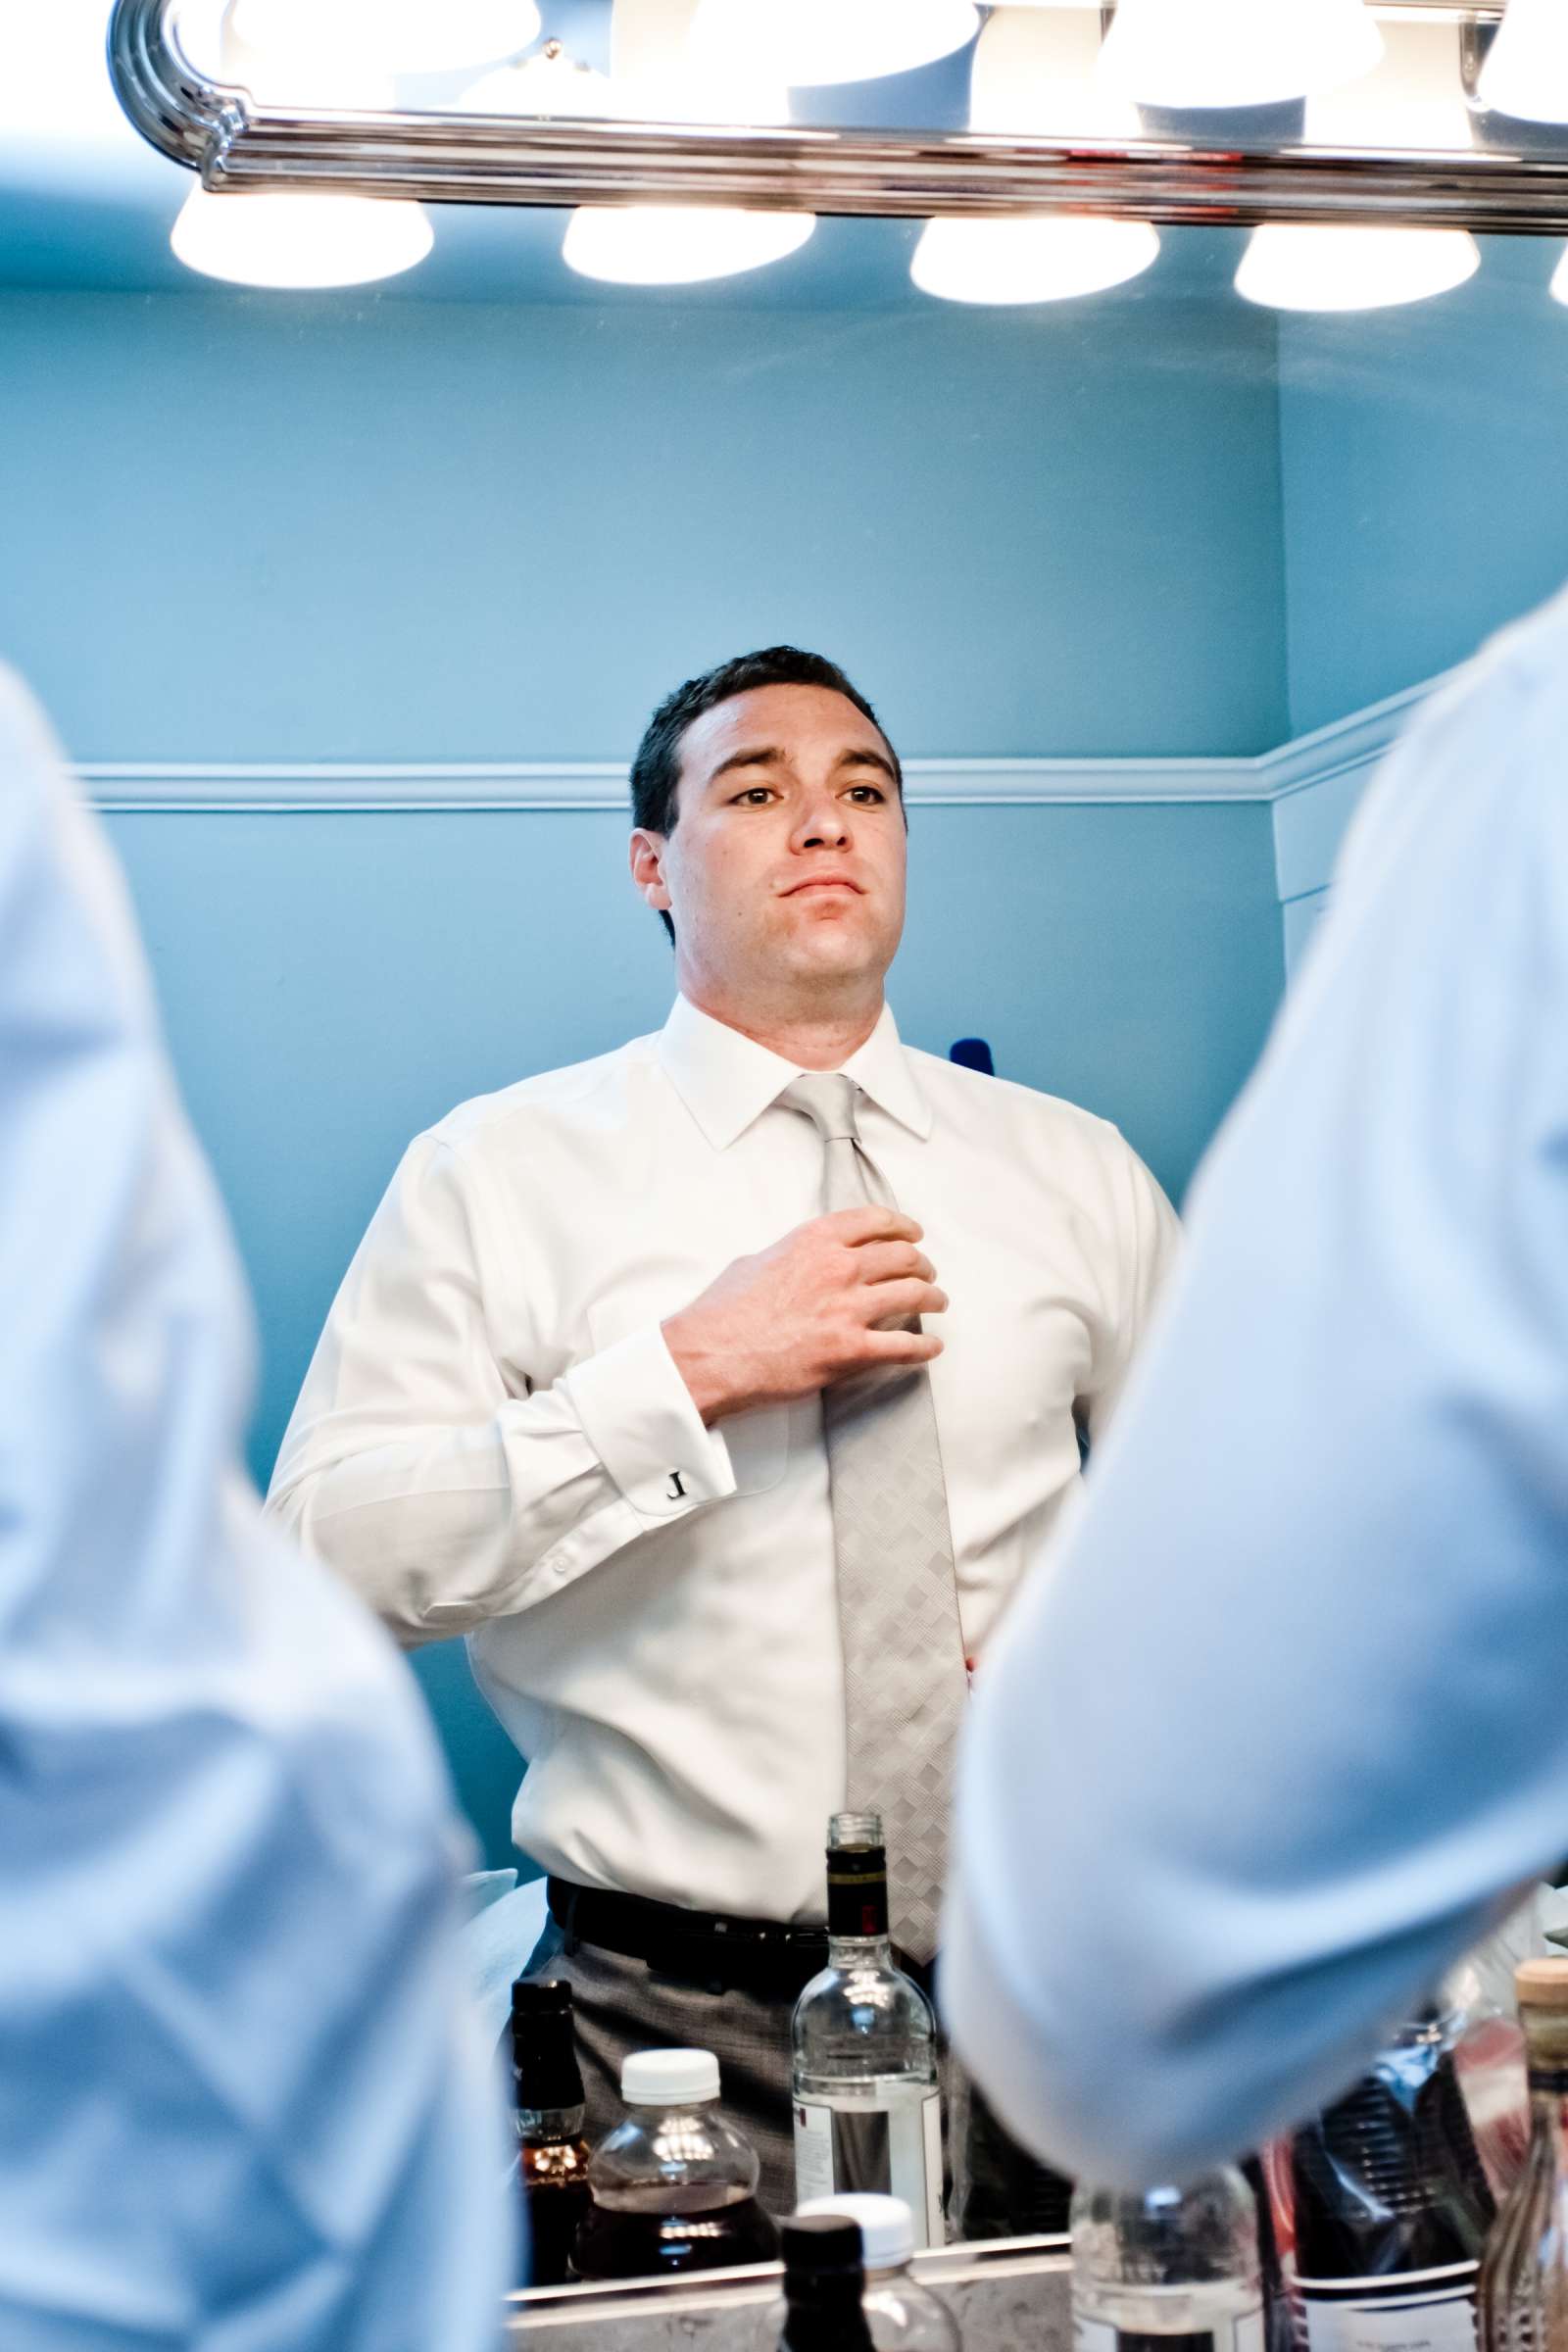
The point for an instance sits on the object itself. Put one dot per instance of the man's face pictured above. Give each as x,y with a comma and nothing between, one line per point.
785,869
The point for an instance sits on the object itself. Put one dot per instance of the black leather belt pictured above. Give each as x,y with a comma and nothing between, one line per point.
713,1949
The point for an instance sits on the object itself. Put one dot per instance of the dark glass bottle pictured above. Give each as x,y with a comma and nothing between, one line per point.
823,2281
552,2151
1391,2206
674,2187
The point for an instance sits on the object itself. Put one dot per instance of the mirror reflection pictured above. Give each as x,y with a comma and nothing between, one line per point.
715,838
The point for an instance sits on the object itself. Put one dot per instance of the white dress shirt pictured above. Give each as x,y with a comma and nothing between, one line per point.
1305,1655
239,2102
494,1439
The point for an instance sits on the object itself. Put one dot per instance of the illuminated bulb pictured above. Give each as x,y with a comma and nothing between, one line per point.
1525,72
1219,53
807,41
549,82
655,77
289,237
293,239
393,36
1043,258
1415,99
1290,267
677,245
1034,74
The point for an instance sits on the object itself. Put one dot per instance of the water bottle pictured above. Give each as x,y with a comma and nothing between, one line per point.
1178,2263
673,2185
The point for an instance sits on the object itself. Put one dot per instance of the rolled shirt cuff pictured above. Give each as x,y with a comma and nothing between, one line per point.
638,1415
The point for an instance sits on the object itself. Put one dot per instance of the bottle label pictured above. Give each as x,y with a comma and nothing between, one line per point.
1413,2311
1236,2331
894,2151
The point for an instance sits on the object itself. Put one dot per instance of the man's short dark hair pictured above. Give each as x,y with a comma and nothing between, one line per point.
655,770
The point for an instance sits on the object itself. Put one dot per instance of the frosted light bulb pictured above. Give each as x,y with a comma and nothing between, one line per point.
677,245
293,239
810,41
1525,72
394,36
1292,268
1219,53
1034,74
1043,257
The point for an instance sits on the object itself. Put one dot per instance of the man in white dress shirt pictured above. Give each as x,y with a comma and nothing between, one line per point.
568,1401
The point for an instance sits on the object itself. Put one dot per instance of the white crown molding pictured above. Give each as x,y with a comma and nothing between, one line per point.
275,787
292,787
1345,745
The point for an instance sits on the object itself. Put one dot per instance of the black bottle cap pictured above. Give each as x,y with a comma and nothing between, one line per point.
822,2247
824,2274
544,2048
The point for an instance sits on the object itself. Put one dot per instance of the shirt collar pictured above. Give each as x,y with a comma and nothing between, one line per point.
726,1080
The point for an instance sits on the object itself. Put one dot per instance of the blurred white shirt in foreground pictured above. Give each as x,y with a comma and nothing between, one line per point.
1259,1750
240,2105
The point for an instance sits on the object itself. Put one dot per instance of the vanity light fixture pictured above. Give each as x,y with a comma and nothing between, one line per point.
798,42
1525,72
1035,73
393,36
656,76
291,237
1414,99
1234,52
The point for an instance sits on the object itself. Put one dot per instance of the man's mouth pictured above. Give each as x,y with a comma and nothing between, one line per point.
824,882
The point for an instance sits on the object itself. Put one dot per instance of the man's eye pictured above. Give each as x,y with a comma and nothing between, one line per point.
753,796
867,794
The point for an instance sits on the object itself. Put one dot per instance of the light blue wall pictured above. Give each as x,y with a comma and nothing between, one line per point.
245,528
1425,493
397,529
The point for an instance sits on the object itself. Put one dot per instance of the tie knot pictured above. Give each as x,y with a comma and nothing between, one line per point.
827,1099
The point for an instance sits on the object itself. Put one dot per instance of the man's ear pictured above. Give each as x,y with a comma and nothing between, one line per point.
648,868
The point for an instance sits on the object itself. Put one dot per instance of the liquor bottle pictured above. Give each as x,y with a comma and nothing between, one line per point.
822,2282
900,2314
1524,2279
673,2186
867,2110
1391,2207
551,2153
1179,2264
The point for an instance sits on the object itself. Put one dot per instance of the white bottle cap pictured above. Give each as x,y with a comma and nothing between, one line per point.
668,2078
887,2226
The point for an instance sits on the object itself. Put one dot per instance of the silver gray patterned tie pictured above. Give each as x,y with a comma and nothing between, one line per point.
904,1681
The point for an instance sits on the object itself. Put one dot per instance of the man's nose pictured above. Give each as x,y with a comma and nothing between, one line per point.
823,825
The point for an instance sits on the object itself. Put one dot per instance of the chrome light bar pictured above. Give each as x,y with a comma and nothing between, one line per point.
237,144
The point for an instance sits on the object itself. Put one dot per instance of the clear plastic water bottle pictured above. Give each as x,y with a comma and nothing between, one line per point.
674,2187
901,2314
1168,2262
